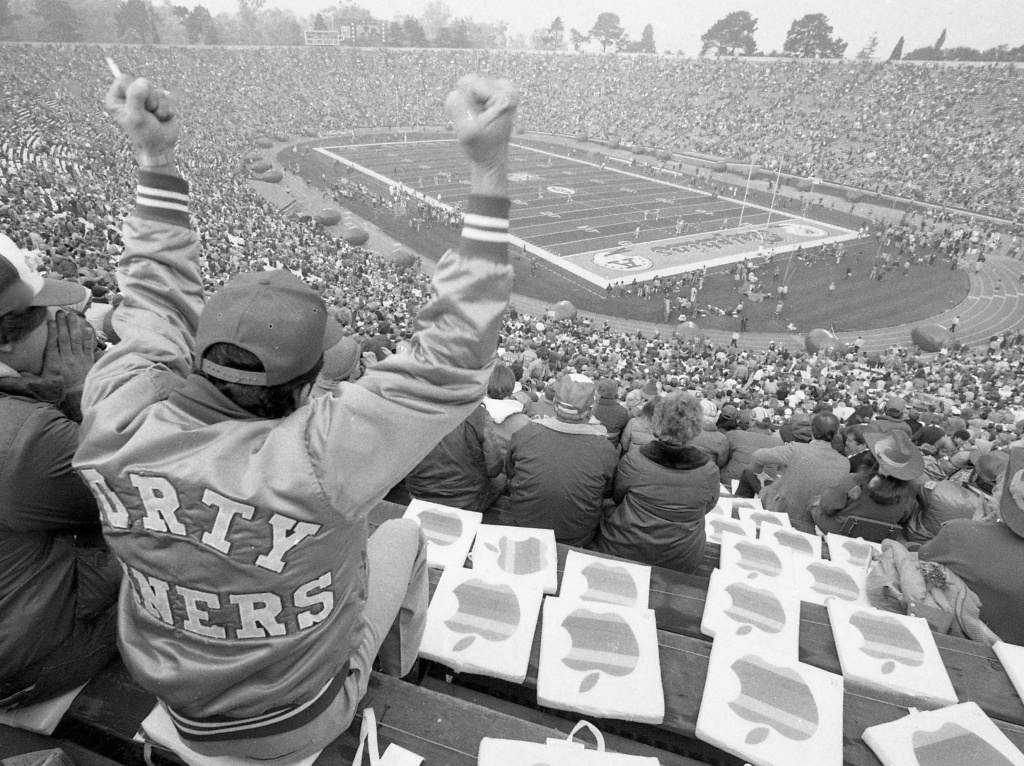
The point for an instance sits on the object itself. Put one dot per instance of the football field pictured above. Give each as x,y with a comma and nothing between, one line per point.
599,218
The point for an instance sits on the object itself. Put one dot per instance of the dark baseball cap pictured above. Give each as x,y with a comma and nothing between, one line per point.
273,315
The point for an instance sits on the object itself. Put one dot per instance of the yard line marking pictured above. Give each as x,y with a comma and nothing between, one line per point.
667,183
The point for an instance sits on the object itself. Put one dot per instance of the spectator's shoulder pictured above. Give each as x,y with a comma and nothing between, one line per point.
17,411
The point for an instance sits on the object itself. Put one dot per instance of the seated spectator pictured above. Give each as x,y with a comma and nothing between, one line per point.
728,419
944,500
505,415
633,403
463,469
639,430
560,469
663,489
343,361
805,470
884,493
524,388
710,439
989,554
544,407
796,429
856,446
254,603
744,440
58,583
613,416
893,417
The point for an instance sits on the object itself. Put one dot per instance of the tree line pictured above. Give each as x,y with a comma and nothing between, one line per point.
811,36
252,23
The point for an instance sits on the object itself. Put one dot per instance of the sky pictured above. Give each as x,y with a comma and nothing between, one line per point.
678,24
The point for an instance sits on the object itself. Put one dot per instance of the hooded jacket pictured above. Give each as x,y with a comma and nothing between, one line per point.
558,476
506,416
458,471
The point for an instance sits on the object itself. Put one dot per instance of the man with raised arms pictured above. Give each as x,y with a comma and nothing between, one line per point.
254,604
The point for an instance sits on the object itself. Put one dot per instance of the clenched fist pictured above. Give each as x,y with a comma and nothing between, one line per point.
483,111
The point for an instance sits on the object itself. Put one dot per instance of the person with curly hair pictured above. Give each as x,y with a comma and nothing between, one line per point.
662,491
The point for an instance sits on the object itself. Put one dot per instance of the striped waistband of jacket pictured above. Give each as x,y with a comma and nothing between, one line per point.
279,720
485,225
162,198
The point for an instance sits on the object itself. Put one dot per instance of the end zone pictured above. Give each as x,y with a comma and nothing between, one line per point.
648,260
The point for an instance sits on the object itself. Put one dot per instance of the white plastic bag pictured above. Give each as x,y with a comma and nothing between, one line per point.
563,752
393,756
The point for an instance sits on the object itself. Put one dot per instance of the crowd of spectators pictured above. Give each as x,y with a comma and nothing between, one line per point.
616,455
617,441
940,134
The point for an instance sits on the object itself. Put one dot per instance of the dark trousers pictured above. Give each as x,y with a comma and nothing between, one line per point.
749,484
91,644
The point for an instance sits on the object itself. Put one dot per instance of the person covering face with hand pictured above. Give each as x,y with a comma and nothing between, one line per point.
58,590
237,502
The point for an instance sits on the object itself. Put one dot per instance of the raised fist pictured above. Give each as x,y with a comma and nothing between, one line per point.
148,115
483,111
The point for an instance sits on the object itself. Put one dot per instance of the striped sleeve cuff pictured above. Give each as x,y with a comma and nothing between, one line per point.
162,198
485,226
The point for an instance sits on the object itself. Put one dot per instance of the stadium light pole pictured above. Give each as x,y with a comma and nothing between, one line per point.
746,190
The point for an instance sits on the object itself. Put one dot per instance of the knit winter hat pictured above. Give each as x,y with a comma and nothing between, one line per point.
341,360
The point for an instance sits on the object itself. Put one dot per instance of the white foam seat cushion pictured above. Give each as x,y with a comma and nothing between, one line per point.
769,711
600,659
449,532
953,736
892,654
607,581
480,623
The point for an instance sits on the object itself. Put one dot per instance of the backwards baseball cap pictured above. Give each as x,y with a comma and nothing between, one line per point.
22,287
574,397
273,315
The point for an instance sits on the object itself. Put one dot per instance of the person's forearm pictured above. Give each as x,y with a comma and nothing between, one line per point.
490,179
164,164
71,405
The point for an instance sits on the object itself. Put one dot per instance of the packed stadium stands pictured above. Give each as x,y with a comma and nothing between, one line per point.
943,135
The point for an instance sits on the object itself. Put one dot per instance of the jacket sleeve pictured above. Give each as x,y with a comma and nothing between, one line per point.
494,463
392,417
159,277
767,456
836,498
51,496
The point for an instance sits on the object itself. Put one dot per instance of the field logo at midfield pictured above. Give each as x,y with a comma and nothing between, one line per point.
618,259
561,190
522,177
799,230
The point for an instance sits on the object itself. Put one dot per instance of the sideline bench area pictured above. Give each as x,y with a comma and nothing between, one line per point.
444,717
